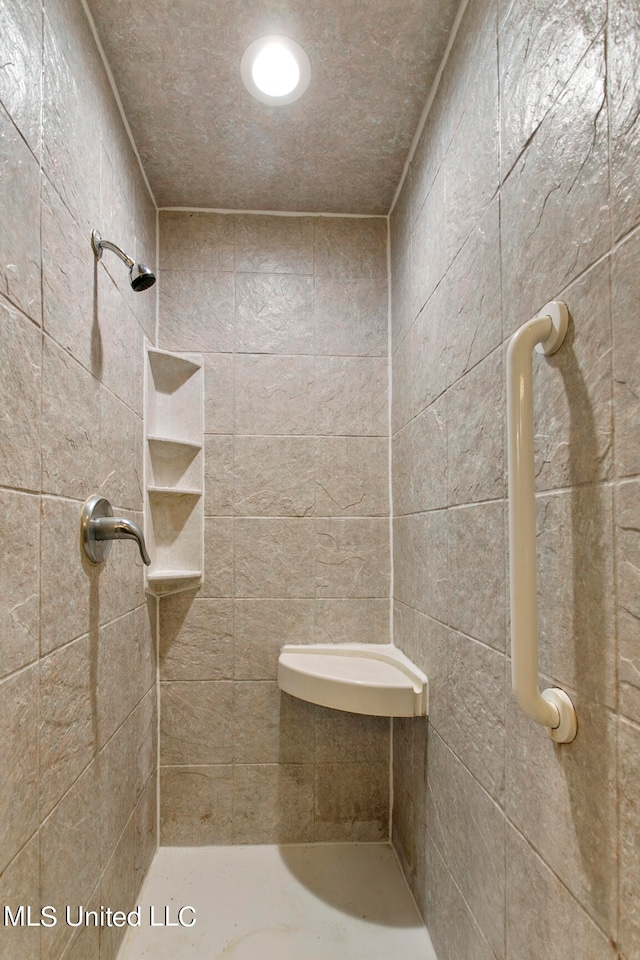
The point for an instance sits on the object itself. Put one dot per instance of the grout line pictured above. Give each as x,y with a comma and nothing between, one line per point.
273,213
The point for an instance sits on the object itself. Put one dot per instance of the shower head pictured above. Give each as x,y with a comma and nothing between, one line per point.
140,276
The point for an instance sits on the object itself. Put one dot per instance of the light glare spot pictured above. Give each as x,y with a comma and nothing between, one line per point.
275,70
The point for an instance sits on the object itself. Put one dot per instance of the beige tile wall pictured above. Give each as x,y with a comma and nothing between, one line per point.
524,188
77,660
290,314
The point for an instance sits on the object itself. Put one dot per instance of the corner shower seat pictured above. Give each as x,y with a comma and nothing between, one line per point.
370,678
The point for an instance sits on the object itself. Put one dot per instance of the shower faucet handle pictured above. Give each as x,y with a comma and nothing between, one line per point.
98,527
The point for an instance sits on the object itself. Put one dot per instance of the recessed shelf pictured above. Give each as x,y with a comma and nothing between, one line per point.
373,679
161,576
181,445
174,465
174,491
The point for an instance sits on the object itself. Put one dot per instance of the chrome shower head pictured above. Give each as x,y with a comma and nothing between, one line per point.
141,277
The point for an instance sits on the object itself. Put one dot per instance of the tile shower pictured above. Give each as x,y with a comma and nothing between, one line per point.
513,848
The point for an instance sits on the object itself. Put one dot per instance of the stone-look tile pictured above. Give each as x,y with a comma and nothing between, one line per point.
473,314
72,453
20,391
196,242
274,476
20,264
118,196
117,788
534,892
120,434
196,638
85,944
627,507
270,726
262,627
18,762
274,558
563,800
71,312
352,558
572,391
623,83
70,855
471,163
426,642
348,247
196,722
197,805
419,466
19,581
274,395
218,558
273,803
73,91
143,731
428,251
400,216
351,801
352,476
197,311
402,383
477,572
118,888
125,671
267,244
475,408
351,396
475,706
468,829
428,352
626,353
421,563
576,606
121,342
350,737
540,48
351,317
218,476
67,723
20,885
558,188
410,744
146,828
21,73
401,299
351,620
452,927
218,393
274,314
629,792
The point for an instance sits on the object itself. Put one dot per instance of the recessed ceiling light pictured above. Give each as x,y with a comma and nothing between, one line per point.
275,70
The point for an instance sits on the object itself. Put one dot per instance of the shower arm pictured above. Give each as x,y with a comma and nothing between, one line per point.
98,245
552,708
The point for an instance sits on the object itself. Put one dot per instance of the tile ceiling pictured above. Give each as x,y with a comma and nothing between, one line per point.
205,142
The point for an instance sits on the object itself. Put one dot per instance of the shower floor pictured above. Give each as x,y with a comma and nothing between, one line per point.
299,902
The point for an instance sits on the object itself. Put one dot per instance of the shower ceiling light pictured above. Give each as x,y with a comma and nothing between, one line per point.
275,70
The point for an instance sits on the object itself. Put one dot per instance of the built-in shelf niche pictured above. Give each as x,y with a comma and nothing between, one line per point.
174,464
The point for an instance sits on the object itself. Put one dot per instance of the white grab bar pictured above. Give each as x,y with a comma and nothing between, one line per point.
553,708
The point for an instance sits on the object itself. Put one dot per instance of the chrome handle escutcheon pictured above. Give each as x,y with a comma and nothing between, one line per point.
98,527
